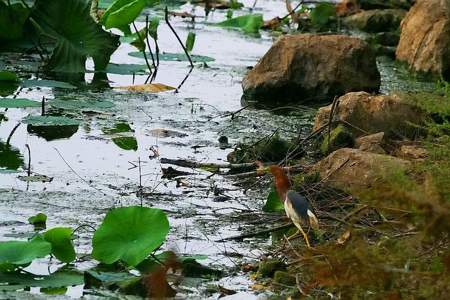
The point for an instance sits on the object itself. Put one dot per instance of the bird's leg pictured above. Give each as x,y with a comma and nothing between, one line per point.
293,235
305,236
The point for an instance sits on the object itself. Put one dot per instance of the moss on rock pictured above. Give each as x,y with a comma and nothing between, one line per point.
340,137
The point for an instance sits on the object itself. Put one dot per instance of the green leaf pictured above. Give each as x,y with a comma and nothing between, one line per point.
273,203
120,127
16,253
190,41
96,278
12,20
76,34
47,83
18,103
10,157
153,28
126,69
175,57
62,246
129,234
82,105
126,142
38,220
8,76
248,23
122,13
50,121
322,13
14,280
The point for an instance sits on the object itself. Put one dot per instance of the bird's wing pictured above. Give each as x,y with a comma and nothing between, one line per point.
313,221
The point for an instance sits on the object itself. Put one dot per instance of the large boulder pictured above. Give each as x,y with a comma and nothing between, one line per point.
376,20
425,37
306,67
364,113
354,170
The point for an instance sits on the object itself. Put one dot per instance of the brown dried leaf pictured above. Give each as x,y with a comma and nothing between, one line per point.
148,88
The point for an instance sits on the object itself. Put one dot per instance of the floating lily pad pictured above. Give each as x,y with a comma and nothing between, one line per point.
16,253
10,157
126,142
38,220
126,69
129,234
175,57
82,105
96,278
62,246
148,88
18,103
16,280
51,127
273,203
50,121
47,83
8,87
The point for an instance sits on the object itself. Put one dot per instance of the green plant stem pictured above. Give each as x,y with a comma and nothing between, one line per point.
166,18
142,41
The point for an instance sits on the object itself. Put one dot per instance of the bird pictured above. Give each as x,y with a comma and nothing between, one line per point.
296,206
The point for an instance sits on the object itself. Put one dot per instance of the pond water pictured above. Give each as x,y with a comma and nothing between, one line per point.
91,173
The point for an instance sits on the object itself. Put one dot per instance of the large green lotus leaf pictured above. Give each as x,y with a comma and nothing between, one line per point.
10,157
15,280
18,103
122,13
47,83
76,33
62,246
248,23
175,57
50,121
8,76
129,234
16,253
12,20
273,203
126,69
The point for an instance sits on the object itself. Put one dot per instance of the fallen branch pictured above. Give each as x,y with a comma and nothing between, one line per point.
253,234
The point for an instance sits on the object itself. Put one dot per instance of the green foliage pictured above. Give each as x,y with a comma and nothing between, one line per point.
248,23
190,41
129,234
61,240
153,28
75,33
38,220
8,76
18,103
81,105
50,121
126,69
124,12
273,202
322,13
17,253
17,281
126,142
12,20
340,137
10,157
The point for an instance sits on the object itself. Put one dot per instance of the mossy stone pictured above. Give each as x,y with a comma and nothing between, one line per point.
340,137
284,278
268,267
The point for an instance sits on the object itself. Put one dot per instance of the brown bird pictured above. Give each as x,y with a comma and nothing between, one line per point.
296,206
